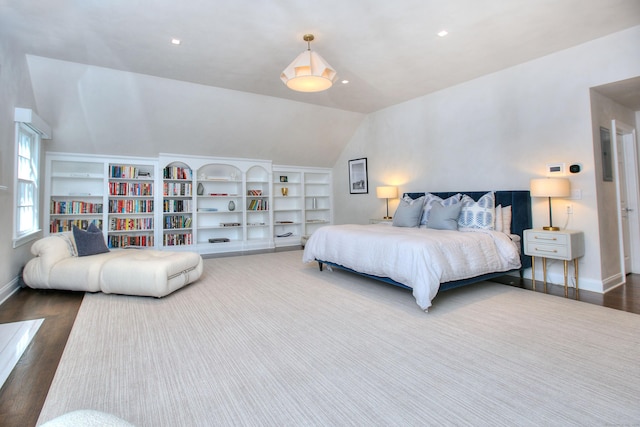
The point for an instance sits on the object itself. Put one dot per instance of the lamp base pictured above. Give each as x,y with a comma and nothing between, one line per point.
551,228
387,217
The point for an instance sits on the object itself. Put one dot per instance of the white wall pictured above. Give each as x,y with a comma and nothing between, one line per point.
15,91
103,111
604,110
496,133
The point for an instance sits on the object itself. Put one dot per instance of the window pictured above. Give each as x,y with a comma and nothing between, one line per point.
26,218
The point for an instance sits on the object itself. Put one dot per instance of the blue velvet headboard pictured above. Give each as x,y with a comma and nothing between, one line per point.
520,202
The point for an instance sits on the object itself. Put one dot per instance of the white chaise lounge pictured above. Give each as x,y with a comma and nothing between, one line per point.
143,272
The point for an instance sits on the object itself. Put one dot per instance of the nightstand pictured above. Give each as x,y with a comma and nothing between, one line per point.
380,220
566,245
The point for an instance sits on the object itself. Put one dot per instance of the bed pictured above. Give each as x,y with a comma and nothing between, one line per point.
428,260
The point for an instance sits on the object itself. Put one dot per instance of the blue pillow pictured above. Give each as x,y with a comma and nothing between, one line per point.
431,199
444,217
89,242
408,212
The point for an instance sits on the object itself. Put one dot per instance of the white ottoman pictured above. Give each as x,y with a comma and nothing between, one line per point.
150,272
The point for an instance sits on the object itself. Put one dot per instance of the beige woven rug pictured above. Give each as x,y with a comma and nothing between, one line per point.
265,340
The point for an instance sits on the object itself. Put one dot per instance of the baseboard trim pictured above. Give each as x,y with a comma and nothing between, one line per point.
612,282
9,289
586,284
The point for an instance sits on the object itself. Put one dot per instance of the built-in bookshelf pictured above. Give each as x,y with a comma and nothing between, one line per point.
302,202
131,203
317,200
206,204
177,205
75,193
257,200
288,215
220,206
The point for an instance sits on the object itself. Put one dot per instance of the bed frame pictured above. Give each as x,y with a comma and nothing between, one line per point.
520,202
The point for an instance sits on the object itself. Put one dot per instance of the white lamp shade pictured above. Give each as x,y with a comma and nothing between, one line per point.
309,72
550,187
387,192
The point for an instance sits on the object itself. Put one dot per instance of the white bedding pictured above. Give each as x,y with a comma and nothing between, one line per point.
420,258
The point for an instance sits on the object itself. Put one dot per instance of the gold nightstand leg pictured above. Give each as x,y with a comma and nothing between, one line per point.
533,272
544,273
575,271
566,289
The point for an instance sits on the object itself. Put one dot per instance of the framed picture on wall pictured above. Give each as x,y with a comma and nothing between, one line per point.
358,180
607,157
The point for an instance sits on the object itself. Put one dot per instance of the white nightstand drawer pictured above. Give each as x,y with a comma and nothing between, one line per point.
562,244
552,238
547,250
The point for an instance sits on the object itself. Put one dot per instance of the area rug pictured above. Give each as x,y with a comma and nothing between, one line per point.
265,340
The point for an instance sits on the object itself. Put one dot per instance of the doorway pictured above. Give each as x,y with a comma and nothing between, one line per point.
627,187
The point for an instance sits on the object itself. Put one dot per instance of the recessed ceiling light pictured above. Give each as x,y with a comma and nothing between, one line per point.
344,82
175,41
443,33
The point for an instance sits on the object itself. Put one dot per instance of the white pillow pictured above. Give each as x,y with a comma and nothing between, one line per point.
497,223
477,215
506,219
430,199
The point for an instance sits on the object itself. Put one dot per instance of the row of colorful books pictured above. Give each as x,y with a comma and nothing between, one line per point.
131,189
179,239
60,225
171,206
124,240
177,189
74,207
125,224
130,206
127,172
258,205
177,221
176,172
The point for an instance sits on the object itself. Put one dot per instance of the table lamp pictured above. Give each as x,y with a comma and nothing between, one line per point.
387,192
550,187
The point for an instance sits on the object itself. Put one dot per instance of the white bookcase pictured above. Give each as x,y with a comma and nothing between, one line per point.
302,202
318,200
220,208
183,202
75,191
131,203
258,206
177,205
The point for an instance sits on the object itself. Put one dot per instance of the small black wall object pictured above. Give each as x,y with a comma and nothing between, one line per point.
574,168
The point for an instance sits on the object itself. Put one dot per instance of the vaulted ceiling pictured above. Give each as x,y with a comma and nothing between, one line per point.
388,50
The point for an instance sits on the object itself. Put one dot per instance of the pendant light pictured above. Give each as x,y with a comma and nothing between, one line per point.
309,72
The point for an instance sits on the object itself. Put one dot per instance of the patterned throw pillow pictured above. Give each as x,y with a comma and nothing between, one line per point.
477,215
430,199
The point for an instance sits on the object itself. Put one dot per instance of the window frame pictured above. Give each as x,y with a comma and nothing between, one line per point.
24,235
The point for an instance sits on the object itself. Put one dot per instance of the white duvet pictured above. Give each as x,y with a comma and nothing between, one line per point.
420,258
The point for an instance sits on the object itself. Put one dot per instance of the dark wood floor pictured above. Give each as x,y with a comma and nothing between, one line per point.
24,392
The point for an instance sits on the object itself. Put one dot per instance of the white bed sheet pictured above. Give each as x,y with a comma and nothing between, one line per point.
420,258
